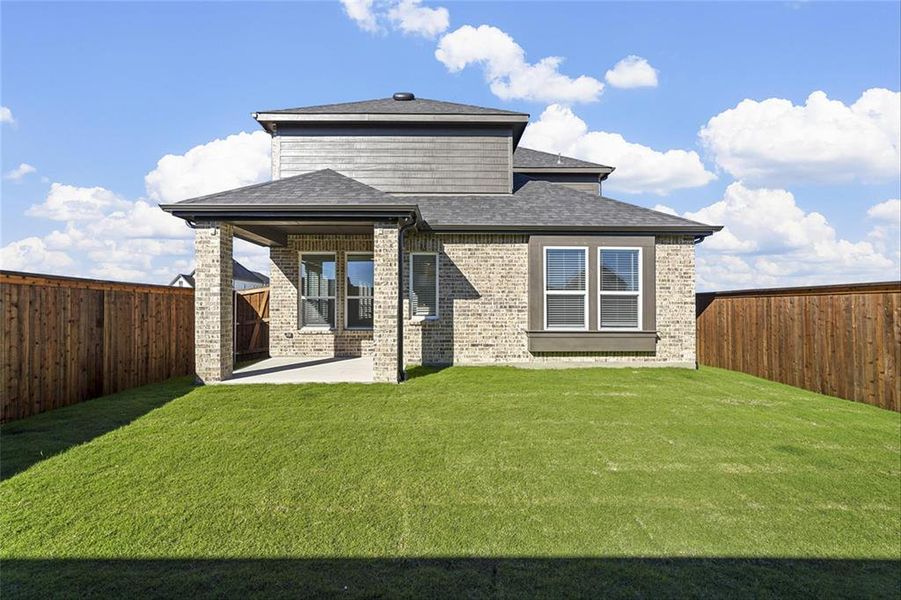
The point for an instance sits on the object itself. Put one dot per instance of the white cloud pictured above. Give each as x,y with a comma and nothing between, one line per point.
632,72
110,237
19,172
639,169
239,159
6,116
768,240
886,234
823,141
139,220
32,254
890,211
411,17
509,76
255,258
361,12
71,203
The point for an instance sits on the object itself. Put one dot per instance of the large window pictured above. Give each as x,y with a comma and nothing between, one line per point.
565,288
317,289
424,285
358,295
620,288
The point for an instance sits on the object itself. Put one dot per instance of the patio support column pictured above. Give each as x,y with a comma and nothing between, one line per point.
384,321
213,302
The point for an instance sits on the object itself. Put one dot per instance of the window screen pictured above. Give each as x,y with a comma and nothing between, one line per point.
565,288
424,285
620,288
317,285
359,284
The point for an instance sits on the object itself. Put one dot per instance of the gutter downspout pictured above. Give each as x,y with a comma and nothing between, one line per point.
402,226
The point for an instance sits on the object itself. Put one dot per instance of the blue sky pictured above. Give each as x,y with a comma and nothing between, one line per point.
98,94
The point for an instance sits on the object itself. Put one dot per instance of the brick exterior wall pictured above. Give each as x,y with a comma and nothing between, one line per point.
483,303
676,299
482,300
384,321
286,337
213,302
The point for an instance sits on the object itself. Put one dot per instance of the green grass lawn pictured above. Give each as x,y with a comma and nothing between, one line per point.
466,482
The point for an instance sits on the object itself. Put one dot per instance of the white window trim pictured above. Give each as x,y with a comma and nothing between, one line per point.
639,294
410,288
347,296
583,293
301,297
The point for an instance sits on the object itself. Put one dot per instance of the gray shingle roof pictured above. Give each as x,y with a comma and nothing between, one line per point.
534,205
526,158
318,187
538,204
422,106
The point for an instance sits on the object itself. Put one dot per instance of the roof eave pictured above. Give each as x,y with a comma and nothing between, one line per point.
264,117
562,229
270,211
564,170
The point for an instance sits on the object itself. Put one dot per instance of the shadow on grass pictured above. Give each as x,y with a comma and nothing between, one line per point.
33,439
424,371
453,577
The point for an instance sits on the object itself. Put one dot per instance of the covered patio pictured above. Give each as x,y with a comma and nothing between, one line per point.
286,369
325,325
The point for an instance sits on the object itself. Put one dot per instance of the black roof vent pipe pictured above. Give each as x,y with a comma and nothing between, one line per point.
403,96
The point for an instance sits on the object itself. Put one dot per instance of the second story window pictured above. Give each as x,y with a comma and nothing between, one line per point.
565,288
317,290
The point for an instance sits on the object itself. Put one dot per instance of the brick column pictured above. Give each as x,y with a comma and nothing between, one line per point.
384,322
213,302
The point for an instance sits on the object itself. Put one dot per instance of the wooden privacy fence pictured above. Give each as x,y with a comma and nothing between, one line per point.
841,340
66,340
251,323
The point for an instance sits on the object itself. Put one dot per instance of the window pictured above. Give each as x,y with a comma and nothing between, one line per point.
358,295
317,289
424,285
565,288
619,288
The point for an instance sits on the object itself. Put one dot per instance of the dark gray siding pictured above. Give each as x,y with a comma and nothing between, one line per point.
583,182
454,161
647,243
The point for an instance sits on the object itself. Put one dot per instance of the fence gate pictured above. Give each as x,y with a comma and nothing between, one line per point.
251,324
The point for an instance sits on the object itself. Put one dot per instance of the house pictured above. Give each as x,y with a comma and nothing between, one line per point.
418,231
242,278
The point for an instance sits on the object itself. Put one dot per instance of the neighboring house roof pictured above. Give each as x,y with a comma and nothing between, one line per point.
526,159
390,106
242,273
188,277
239,272
533,206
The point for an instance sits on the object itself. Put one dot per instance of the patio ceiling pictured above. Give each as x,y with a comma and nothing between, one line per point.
275,233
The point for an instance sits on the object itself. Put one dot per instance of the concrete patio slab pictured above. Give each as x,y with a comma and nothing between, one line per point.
293,369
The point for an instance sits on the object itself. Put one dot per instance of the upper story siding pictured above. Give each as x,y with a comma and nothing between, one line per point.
402,159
